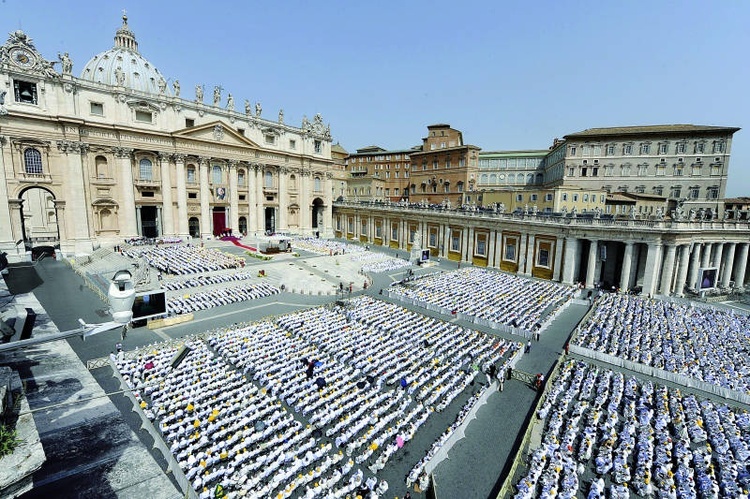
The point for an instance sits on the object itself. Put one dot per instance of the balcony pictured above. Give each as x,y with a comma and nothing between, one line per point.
101,180
146,182
35,178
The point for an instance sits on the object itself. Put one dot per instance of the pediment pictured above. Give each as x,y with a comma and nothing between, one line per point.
216,132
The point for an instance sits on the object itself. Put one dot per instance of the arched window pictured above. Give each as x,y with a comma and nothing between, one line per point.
293,182
243,225
216,174
316,184
269,179
512,178
145,170
483,179
194,227
539,179
519,178
32,161
493,179
241,178
529,178
191,174
101,167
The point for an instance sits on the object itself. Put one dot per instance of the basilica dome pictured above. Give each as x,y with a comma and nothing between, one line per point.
123,66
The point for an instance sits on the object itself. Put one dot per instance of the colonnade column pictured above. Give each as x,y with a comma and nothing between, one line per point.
741,267
694,265
282,224
591,263
651,271
206,222
182,215
498,249
726,276
557,262
627,260
706,257
7,238
569,265
328,204
446,241
529,258
679,286
403,234
234,199
718,252
166,195
668,270
491,248
260,216
126,213
16,225
465,244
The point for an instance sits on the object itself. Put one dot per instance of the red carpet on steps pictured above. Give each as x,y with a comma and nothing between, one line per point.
237,242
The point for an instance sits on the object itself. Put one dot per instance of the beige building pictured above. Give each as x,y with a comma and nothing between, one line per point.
118,152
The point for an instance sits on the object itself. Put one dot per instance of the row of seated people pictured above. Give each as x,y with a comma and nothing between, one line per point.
387,265
634,436
488,294
206,280
185,259
702,343
326,246
224,430
144,241
220,296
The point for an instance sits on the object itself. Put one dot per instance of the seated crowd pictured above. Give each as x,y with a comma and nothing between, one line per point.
309,404
382,263
206,280
634,436
216,297
709,345
185,259
325,246
488,294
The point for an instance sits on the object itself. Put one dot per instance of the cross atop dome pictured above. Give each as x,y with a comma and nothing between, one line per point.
124,38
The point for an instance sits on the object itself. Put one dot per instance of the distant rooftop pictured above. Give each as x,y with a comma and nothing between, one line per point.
650,129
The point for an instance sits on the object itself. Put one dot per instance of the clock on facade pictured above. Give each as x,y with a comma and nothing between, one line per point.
22,57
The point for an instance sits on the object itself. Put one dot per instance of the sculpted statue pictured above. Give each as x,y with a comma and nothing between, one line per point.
691,214
66,62
120,76
573,212
281,116
176,88
217,95
305,123
501,208
162,85
736,212
258,109
534,209
526,209
198,93
230,102
597,212
701,214
417,240
2,96
659,213
564,211
632,213
247,107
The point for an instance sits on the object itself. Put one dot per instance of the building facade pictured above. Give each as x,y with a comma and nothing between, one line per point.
117,152
389,169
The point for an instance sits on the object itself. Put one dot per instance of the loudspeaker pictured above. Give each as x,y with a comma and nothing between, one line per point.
180,356
28,324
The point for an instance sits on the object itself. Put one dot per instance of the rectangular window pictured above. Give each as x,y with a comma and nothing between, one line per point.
189,122
542,259
572,150
318,145
192,195
718,147
242,197
585,198
270,139
455,241
571,171
378,231
533,197
575,198
645,148
565,196
144,116
700,147
97,109
680,148
627,149
25,91
611,150
241,131
548,197
191,175
481,246
394,232
519,197
510,250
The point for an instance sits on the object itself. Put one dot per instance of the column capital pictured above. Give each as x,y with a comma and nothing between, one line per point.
203,160
123,152
178,158
70,146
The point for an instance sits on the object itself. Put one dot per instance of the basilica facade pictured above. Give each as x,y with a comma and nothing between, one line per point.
119,152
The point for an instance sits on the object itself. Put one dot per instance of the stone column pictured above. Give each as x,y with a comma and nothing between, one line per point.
465,244
138,219
682,272
168,225
260,213
62,228
126,213
159,222
726,274
694,266
651,271
491,248
718,253
591,263
7,239
206,221
557,271
571,249
234,199
499,249
16,224
328,204
668,270
77,211
470,245
741,267
706,260
529,258
182,212
446,241
283,224
627,261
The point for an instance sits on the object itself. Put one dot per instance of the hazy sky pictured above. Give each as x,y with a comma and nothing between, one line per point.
510,75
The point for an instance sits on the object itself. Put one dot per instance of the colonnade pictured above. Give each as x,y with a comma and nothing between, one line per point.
659,260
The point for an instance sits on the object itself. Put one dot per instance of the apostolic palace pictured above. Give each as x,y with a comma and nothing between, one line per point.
119,151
